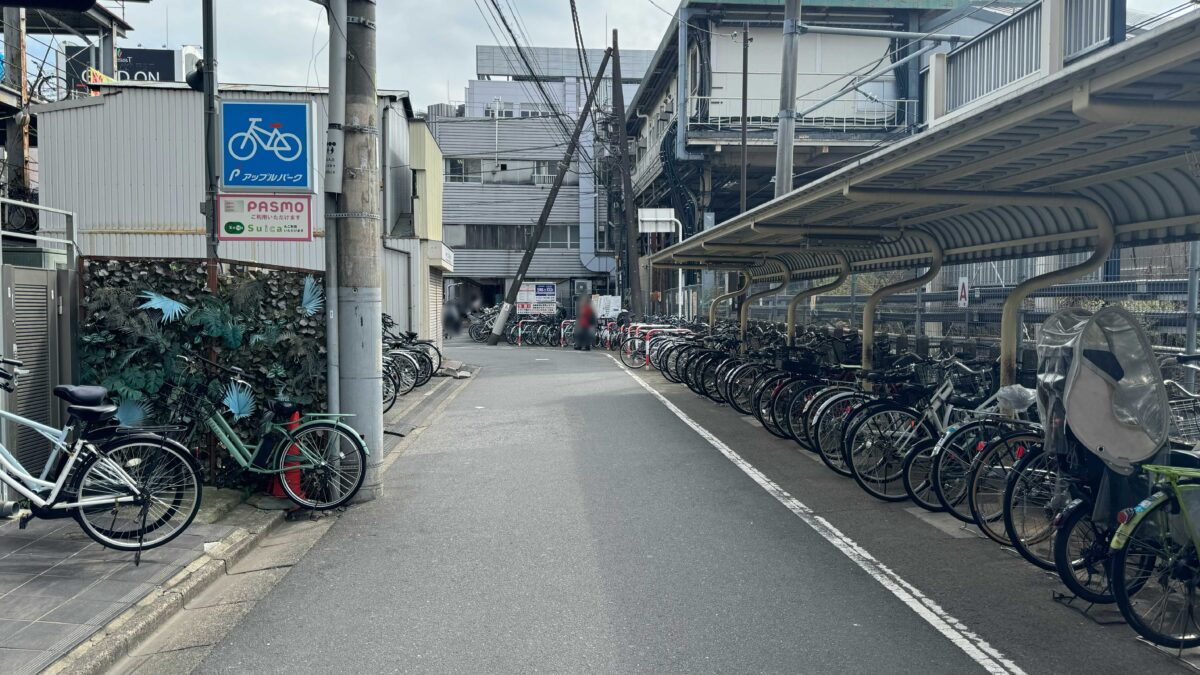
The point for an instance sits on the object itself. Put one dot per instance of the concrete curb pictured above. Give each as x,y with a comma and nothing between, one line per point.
122,634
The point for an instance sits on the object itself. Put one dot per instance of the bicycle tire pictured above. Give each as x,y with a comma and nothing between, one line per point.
352,458
1082,549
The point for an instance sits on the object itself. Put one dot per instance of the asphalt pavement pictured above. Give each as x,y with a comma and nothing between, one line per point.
559,517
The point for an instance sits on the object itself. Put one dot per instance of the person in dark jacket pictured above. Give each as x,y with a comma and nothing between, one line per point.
584,324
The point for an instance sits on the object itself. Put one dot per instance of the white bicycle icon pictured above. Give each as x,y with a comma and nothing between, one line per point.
246,144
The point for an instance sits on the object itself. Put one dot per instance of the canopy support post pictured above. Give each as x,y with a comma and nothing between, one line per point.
868,325
747,279
744,317
843,274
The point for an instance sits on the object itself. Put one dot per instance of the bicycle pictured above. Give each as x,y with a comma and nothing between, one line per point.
320,460
245,144
128,489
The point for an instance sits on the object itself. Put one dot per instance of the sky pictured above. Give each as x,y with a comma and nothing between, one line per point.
425,46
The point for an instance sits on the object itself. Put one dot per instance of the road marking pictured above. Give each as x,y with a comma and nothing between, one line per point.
951,628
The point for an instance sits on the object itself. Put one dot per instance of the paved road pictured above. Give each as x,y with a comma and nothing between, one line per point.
560,518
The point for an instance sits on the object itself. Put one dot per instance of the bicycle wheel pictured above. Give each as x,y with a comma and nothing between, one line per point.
989,480
952,464
164,475
433,353
875,449
1083,557
390,387
828,433
329,469
1032,503
917,482
407,373
633,352
1154,579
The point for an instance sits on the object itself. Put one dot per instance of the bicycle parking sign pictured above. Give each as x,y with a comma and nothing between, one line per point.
266,146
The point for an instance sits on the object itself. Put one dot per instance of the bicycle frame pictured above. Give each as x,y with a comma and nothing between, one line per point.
244,454
15,476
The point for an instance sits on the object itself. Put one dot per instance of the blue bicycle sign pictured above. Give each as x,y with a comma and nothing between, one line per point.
266,145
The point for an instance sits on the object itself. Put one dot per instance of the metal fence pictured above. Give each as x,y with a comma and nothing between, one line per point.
1008,52
857,112
1151,282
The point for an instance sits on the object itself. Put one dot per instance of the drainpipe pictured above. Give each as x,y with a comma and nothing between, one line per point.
1009,324
747,279
843,273
744,316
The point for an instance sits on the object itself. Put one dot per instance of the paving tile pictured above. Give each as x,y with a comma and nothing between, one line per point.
9,626
16,660
27,607
145,573
74,568
16,564
9,582
42,635
91,612
97,552
58,587
52,547
110,590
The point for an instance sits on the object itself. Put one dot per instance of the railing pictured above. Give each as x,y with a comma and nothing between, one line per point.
1009,51
1089,27
710,113
1012,50
649,161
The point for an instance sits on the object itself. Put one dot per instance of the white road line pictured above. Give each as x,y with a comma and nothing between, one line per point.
974,646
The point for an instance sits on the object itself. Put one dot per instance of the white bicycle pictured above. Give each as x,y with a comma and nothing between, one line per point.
130,489
246,144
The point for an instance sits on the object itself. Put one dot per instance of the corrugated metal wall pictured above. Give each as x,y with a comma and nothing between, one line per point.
562,263
130,164
473,203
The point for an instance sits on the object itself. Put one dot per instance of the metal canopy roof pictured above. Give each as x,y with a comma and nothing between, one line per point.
1114,128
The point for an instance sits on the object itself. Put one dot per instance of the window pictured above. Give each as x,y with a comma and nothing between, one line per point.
560,236
535,110
464,171
544,171
455,236
506,109
509,237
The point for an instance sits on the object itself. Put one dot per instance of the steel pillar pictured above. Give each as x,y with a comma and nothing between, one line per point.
843,274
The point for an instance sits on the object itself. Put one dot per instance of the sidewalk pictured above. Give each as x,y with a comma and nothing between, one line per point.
58,587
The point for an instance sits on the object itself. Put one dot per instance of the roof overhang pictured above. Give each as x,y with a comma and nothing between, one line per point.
1118,131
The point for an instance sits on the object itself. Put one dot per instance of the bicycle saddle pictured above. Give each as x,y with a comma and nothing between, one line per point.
92,414
81,395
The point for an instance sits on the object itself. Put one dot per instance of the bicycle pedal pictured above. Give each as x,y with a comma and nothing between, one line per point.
23,519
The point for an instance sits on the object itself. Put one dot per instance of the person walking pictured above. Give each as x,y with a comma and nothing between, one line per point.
584,323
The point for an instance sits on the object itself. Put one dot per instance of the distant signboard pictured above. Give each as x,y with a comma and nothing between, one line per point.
266,146
964,292
133,63
607,306
247,217
535,298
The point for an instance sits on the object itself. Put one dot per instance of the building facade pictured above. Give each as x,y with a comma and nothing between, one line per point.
502,148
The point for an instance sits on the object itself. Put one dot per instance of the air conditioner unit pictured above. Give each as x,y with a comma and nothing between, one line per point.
583,287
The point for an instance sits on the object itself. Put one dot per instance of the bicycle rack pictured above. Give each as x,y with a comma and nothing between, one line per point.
562,332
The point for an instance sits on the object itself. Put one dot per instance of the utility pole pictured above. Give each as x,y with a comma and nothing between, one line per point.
360,297
511,296
211,134
745,106
17,128
630,210
335,151
787,99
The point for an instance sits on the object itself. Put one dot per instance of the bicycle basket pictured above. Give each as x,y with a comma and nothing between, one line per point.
1185,420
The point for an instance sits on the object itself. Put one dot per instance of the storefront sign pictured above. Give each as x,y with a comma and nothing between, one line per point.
266,146
265,217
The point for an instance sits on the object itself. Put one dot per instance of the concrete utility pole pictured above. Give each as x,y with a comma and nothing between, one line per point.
630,210
17,128
360,297
211,134
745,107
787,99
335,151
511,296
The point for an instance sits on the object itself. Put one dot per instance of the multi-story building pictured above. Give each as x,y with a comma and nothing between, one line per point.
502,146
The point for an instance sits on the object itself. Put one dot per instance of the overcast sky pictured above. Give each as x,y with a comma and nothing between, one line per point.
426,46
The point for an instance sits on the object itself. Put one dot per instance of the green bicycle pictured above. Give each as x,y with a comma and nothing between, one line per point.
320,460
1155,567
